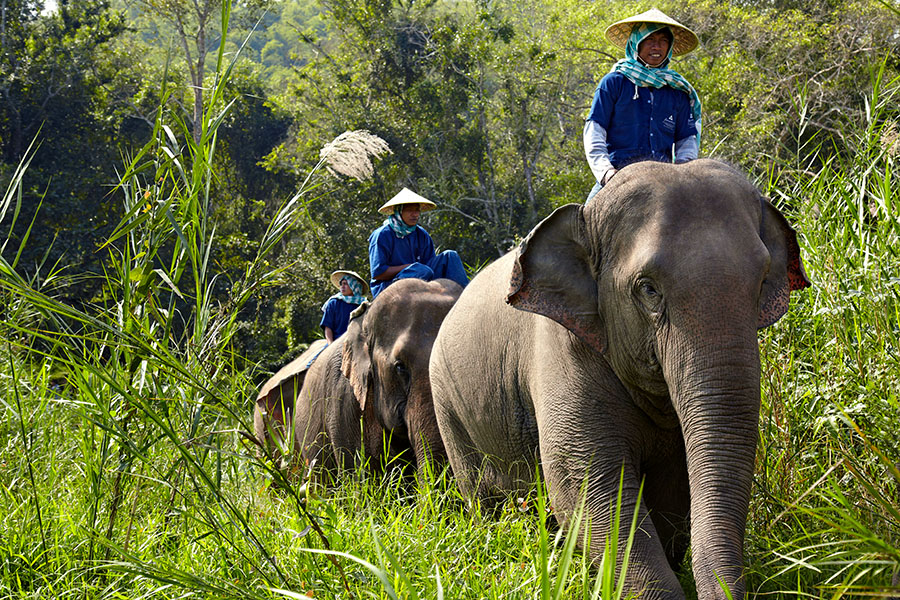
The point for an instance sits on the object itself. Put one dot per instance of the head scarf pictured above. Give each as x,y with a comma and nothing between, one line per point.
355,287
658,77
395,222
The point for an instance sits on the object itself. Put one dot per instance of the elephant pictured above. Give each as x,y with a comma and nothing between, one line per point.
385,358
274,406
619,342
368,394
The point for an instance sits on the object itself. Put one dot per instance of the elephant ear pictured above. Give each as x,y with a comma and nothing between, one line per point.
355,361
786,273
552,276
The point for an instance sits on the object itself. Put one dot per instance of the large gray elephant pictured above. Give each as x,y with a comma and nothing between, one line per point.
622,333
385,357
274,407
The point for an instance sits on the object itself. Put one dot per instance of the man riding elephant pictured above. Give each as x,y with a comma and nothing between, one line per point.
402,249
642,109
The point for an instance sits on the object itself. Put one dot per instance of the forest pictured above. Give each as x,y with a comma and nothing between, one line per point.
175,202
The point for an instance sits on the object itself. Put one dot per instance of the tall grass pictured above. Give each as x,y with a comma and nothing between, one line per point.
825,518
125,472
126,413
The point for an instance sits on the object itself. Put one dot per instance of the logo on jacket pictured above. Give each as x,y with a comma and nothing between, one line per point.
668,123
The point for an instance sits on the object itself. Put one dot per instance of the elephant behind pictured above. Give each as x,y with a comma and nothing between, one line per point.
386,357
274,406
623,333
327,415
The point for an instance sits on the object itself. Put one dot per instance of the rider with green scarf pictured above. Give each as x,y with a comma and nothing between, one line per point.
642,110
401,248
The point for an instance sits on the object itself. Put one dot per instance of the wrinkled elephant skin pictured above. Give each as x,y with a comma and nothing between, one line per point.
622,334
386,354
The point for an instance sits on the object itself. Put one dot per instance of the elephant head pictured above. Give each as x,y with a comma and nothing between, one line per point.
669,278
388,344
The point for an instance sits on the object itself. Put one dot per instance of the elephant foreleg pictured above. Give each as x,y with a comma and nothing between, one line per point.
584,450
648,573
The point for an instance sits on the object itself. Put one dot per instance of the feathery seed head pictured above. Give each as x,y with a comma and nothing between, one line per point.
350,154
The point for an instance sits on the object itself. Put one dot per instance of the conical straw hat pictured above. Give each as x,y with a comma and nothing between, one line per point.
685,39
338,275
406,196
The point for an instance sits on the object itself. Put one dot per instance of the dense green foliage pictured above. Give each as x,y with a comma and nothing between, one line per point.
481,104
55,75
183,269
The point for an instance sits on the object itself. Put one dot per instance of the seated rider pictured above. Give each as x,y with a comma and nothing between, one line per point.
642,109
401,249
337,308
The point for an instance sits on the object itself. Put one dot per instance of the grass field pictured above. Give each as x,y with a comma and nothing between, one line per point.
124,474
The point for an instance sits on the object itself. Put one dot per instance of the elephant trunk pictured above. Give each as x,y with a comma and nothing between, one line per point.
717,401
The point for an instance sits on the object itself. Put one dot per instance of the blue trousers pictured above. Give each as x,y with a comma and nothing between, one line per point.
446,265
597,187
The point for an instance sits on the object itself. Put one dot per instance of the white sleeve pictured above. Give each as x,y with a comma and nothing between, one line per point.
595,148
686,149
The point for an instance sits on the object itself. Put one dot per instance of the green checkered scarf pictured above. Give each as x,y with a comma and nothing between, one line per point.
395,222
355,287
655,77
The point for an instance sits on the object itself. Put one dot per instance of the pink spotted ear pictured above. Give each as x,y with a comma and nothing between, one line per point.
551,276
786,273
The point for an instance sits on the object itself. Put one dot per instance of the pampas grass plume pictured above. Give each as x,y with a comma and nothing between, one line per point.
350,154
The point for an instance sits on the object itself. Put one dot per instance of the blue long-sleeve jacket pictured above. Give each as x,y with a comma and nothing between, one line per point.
640,123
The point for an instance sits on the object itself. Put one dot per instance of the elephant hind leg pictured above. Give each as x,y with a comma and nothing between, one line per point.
464,459
475,473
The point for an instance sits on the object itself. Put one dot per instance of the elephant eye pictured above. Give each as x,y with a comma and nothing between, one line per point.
648,289
648,294
403,374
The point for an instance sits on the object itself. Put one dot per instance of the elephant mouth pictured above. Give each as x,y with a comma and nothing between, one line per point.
398,416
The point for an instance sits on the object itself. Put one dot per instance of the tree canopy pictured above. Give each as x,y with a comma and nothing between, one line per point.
481,103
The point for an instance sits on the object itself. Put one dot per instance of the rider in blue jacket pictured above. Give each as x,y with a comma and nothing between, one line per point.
336,310
401,248
642,110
